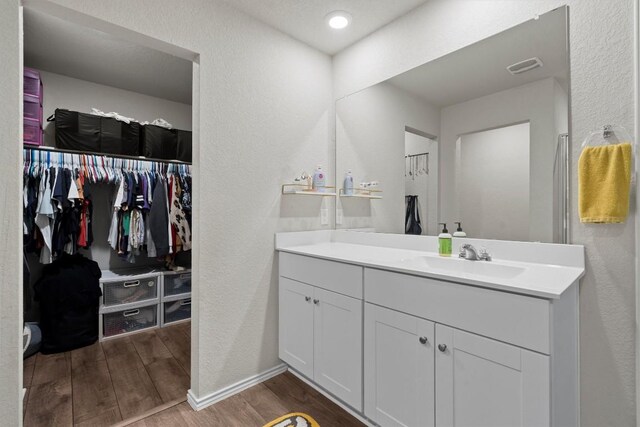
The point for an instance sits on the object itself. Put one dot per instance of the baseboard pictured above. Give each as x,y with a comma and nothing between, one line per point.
201,403
338,402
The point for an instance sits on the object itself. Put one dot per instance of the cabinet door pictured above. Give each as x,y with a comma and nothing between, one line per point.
482,382
338,346
399,368
296,325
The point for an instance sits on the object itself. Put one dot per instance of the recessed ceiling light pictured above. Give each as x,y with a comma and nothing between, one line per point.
338,19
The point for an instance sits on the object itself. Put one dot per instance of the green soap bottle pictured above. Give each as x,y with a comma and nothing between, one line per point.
444,241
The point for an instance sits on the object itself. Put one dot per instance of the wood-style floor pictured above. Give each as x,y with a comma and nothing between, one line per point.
105,383
257,406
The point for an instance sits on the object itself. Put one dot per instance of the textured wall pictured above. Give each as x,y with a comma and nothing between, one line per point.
265,113
602,87
10,216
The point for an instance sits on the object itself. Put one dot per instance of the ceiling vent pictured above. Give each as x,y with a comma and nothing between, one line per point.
524,66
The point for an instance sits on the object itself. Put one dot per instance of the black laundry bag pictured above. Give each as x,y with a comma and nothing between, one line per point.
69,296
88,132
157,142
184,145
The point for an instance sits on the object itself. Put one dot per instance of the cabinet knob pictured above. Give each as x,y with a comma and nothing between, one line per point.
307,299
423,340
316,301
442,347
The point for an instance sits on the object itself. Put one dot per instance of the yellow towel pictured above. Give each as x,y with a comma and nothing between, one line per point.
604,179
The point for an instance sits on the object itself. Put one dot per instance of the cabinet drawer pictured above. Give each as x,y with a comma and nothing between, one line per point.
131,320
176,284
129,290
174,311
516,319
333,276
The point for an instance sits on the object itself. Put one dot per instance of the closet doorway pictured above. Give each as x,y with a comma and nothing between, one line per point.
124,210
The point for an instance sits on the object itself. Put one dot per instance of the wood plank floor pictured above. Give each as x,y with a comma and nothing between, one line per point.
257,406
105,383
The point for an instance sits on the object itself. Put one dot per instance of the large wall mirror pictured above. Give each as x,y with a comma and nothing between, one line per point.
479,136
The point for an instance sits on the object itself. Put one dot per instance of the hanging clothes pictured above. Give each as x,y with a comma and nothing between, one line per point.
412,217
147,205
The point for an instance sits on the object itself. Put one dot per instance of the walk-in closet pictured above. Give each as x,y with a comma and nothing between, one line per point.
107,224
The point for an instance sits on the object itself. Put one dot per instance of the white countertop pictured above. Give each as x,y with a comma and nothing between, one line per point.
535,279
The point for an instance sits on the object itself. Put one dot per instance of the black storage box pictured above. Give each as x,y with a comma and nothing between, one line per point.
88,132
184,145
157,142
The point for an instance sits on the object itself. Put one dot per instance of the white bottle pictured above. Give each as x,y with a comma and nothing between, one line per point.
459,232
348,184
319,180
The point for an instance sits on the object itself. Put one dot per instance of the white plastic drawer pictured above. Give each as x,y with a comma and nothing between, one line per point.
177,284
174,311
129,290
130,320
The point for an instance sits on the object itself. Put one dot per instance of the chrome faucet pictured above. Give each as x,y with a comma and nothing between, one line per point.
469,252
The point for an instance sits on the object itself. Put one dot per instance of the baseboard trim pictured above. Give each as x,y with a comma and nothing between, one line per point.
335,400
208,400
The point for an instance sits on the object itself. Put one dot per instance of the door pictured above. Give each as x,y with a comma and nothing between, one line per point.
399,368
482,382
338,345
296,325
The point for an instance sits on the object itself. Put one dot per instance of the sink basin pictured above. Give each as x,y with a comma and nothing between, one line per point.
454,265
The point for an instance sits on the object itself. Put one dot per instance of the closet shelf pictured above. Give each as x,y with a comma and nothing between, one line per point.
360,193
303,189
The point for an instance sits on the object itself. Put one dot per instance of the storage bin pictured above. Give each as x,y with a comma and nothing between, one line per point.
176,283
32,83
32,108
130,320
119,137
32,132
184,145
77,131
157,142
174,311
129,290
88,132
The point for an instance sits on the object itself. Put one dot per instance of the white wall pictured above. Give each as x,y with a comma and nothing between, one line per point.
10,216
265,110
602,88
370,141
533,103
493,183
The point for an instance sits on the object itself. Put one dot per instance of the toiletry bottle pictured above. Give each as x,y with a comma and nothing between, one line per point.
444,241
348,184
459,232
319,180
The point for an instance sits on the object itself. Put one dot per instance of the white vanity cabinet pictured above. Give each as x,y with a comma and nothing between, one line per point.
321,328
436,352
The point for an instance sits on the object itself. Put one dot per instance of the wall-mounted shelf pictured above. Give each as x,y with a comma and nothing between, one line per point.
303,189
361,193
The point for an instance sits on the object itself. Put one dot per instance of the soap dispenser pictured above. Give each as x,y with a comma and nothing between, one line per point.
319,180
348,184
459,232
444,241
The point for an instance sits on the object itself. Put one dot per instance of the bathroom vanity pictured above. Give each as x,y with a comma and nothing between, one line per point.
403,337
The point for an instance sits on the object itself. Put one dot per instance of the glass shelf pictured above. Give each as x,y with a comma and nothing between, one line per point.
303,189
362,193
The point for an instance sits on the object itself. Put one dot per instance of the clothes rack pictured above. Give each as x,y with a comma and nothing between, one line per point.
98,167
